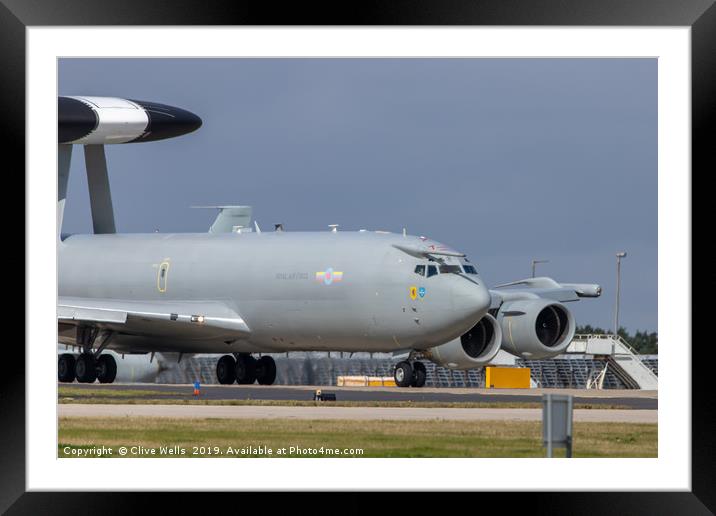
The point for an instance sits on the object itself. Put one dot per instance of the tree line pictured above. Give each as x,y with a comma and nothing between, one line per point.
644,342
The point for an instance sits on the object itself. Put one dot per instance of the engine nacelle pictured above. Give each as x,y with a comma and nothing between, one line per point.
473,349
535,328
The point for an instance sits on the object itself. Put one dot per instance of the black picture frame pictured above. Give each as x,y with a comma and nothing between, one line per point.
700,15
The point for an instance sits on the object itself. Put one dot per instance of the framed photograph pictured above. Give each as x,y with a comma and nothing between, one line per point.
490,123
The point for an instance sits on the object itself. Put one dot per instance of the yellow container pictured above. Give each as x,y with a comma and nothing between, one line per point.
351,381
507,377
381,381
365,381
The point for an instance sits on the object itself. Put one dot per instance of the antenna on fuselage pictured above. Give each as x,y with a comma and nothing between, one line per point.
99,192
278,227
334,228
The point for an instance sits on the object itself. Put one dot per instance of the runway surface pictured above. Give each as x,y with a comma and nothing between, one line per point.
354,413
632,399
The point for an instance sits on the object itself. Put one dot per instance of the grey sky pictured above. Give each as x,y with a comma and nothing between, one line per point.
505,159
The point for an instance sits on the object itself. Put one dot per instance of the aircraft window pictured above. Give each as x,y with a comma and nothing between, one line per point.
469,269
432,270
420,270
455,269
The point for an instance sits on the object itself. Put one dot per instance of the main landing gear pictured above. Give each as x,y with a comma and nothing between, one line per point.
90,365
245,370
409,374
86,368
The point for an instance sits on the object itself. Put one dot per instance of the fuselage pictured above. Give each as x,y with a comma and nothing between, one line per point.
349,291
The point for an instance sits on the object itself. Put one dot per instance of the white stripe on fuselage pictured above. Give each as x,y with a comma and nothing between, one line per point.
120,121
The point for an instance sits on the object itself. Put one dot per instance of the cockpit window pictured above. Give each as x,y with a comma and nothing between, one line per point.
455,269
420,270
469,269
432,270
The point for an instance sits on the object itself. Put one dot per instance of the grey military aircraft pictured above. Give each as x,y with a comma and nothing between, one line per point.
238,292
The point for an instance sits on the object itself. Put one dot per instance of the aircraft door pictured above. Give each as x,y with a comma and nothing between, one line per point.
162,275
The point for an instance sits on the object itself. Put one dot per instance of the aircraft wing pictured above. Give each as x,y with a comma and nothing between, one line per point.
543,287
184,319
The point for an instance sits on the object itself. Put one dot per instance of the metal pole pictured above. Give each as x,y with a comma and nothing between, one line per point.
616,310
620,255
549,425
569,427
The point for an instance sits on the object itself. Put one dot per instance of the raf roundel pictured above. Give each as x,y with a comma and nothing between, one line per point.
329,276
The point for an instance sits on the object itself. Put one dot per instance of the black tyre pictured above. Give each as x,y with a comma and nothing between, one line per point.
85,368
403,374
266,370
66,368
419,374
245,370
226,370
106,369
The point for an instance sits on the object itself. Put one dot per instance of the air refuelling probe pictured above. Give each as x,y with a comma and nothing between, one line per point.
239,293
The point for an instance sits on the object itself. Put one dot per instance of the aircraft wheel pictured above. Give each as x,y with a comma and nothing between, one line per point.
85,368
266,370
403,374
245,370
419,374
66,368
226,370
106,369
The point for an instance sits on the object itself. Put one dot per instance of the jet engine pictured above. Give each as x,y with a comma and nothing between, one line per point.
473,349
535,328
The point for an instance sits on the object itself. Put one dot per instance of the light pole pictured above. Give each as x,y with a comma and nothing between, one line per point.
620,255
535,262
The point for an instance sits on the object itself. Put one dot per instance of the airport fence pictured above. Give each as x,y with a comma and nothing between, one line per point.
321,369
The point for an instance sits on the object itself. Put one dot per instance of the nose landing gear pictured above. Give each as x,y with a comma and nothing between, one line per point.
409,374
420,374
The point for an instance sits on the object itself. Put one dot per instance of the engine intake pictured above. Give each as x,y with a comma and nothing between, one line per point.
473,349
535,328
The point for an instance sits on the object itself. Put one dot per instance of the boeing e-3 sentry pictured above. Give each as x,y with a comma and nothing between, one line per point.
239,292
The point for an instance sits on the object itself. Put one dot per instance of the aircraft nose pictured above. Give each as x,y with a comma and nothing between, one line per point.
471,298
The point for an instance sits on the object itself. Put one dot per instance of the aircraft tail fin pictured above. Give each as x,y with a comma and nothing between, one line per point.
229,217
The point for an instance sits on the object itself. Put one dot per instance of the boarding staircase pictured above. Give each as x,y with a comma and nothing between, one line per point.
622,359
